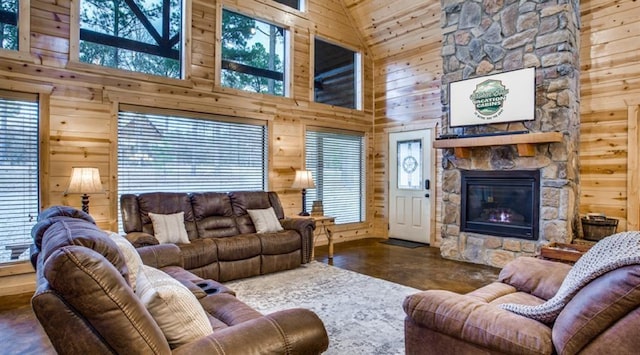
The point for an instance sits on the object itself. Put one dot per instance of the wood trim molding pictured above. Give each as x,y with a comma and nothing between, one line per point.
633,168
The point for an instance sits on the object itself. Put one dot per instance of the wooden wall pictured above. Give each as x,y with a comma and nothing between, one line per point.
610,87
80,109
404,38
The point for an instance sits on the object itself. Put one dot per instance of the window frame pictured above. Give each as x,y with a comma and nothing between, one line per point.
363,168
288,47
24,34
185,60
358,75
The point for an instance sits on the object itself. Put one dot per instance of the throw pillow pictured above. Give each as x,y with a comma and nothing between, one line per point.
265,220
131,257
169,228
174,308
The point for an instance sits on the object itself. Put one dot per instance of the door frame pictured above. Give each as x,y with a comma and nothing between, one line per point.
416,126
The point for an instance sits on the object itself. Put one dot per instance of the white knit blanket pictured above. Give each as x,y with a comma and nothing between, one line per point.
608,254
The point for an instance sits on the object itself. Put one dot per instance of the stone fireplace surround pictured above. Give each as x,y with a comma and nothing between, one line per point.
493,36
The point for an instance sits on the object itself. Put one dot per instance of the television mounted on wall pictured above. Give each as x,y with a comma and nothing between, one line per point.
497,98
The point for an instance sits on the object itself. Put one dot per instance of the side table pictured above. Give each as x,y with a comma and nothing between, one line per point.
323,227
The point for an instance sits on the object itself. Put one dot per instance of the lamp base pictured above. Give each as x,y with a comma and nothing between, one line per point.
85,203
303,214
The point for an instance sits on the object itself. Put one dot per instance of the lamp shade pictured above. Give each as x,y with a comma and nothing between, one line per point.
303,180
84,181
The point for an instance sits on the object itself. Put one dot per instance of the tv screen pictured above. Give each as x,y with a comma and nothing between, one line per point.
498,98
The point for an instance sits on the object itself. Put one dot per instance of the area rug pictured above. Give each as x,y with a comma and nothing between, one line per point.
403,243
362,314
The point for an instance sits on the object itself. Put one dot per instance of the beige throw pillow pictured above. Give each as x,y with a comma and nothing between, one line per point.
174,308
169,228
265,220
131,257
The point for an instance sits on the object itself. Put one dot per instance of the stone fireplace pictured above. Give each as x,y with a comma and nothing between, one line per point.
484,37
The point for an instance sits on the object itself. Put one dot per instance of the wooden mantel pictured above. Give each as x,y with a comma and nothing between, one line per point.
526,142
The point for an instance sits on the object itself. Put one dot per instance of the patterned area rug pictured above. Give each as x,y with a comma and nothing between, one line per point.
362,314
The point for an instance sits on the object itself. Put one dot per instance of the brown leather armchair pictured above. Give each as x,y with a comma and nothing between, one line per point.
86,305
602,318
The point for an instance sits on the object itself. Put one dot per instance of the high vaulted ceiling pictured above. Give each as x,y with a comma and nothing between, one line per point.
389,27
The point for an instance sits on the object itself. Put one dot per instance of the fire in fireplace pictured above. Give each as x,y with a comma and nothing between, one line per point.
503,203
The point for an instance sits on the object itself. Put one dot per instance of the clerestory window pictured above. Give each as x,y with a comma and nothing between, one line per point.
253,55
9,24
337,75
296,4
140,36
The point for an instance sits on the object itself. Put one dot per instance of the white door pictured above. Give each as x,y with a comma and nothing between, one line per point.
409,185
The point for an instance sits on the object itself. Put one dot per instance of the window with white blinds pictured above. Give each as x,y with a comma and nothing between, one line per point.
176,151
336,160
18,174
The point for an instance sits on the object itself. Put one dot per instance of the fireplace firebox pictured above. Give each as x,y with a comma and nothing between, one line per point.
503,203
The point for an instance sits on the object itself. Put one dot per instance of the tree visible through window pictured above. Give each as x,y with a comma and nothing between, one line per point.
141,36
253,54
9,24
18,174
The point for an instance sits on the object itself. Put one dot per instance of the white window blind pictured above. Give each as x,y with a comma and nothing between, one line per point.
18,174
179,152
336,159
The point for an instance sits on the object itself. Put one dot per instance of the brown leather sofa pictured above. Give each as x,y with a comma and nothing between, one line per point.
86,304
602,318
223,244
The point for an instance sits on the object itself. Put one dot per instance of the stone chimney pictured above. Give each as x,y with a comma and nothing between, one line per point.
484,37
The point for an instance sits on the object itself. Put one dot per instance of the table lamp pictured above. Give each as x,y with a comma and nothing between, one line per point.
84,181
304,181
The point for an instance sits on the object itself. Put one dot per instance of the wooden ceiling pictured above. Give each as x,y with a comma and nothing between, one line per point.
393,26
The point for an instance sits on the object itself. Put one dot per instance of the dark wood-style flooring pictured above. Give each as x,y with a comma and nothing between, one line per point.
421,268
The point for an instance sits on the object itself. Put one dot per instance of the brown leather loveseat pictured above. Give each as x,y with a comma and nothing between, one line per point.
603,317
87,302
223,243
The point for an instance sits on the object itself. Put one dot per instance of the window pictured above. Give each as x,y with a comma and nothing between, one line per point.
253,55
141,36
18,174
336,75
178,152
296,4
336,159
9,24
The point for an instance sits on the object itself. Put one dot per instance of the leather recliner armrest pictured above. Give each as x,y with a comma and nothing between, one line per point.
141,239
162,255
304,227
292,331
473,321
539,277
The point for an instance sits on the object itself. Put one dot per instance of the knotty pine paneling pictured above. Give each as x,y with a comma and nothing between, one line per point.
610,83
84,98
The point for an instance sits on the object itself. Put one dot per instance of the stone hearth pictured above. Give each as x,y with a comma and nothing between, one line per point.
494,36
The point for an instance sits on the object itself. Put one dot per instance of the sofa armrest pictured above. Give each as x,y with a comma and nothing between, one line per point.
476,322
141,239
539,277
304,227
292,331
161,255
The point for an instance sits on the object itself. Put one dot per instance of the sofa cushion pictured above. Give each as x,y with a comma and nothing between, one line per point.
238,247
265,220
166,203
213,214
175,309
198,253
169,228
131,257
282,242
242,201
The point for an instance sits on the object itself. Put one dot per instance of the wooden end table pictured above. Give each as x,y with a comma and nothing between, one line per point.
323,227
